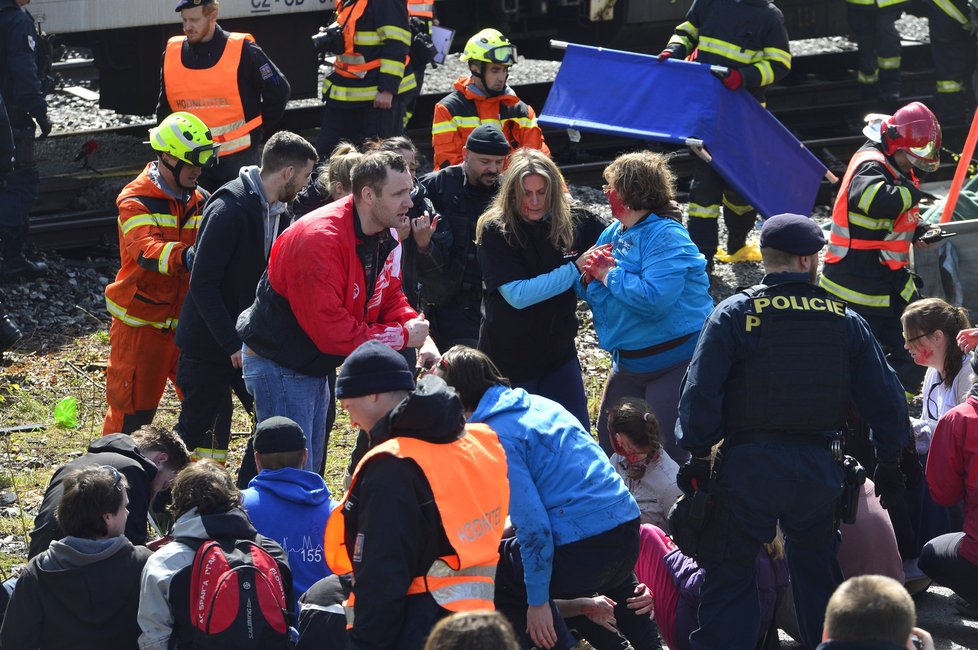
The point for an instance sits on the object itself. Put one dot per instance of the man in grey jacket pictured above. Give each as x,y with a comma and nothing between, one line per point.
239,224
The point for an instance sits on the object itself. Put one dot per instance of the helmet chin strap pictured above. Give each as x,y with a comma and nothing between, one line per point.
175,170
481,75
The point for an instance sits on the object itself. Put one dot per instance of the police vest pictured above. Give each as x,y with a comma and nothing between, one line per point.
468,479
797,378
212,94
891,238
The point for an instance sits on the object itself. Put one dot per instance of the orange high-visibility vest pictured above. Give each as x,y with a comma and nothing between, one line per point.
469,481
350,63
894,246
421,8
212,94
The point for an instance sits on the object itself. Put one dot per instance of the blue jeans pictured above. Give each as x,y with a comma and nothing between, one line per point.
565,385
291,394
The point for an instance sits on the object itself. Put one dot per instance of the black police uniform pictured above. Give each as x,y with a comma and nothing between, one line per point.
21,90
449,271
772,376
9,334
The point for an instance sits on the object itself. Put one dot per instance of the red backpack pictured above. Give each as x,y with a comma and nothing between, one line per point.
237,598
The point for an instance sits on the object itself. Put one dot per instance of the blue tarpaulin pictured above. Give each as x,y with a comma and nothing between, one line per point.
636,96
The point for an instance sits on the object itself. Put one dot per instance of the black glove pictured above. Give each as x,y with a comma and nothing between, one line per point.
694,475
890,483
44,124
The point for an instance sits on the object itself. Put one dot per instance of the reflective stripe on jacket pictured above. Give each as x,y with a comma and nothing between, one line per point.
469,483
376,40
748,35
154,231
421,8
891,237
463,110
212,94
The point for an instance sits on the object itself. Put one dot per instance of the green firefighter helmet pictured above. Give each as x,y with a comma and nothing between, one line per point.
185,137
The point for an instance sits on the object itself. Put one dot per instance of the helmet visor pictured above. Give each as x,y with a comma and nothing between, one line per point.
205,156
502,54
927,157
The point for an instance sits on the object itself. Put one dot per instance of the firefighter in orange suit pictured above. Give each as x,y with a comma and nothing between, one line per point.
874,222
226,80
483,97
158,217
421,523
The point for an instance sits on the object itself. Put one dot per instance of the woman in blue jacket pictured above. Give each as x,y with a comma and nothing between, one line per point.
647,286
577,526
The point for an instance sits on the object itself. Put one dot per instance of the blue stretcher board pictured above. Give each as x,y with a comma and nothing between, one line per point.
634,95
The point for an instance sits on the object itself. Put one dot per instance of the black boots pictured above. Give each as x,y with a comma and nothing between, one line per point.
9,333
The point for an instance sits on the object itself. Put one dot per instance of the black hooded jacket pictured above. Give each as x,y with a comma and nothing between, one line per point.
81,594
119,451
394,527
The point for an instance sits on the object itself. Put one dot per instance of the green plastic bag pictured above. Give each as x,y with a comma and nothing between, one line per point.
66,413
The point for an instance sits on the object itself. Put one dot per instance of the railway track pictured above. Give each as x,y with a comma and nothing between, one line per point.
820,102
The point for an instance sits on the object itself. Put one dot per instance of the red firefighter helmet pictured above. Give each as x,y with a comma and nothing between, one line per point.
914,130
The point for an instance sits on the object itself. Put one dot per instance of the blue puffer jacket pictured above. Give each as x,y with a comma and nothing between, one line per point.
562,487
658,291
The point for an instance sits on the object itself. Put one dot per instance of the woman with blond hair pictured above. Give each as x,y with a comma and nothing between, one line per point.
649,292
532,245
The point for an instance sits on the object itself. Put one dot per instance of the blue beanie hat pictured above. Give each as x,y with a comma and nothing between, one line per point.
792,233
373,368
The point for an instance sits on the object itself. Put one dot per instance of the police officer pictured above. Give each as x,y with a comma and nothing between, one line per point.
364,95
21,89
772,377
226,80
9,333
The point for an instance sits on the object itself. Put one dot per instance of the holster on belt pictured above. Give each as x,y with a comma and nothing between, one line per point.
24,147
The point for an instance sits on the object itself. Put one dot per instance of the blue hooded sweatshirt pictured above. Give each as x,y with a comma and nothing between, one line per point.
563,489
292,507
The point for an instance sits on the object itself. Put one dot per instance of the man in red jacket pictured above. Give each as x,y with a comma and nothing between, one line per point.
332,283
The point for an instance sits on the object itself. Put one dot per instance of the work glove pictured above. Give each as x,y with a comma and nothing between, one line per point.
889,482
694,475
732,78
664,54
44,124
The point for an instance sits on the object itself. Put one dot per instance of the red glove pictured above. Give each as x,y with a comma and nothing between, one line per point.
665,54
734,80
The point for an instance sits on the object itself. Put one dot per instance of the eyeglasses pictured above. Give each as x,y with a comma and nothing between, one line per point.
116,474
916,338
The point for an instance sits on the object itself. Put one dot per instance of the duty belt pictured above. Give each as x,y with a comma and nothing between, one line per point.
824,439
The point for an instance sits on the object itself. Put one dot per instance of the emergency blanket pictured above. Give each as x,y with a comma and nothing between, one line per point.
636,96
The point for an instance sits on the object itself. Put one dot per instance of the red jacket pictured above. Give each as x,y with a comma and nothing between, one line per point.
314,265
952,468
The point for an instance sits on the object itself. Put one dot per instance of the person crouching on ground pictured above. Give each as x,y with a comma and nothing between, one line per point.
577,526
83,591
421,523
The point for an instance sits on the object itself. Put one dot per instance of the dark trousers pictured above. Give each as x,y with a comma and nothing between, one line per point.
941,561
760,486
954,52
454,324
709,194
356,124
17,196
879,48
205,413
565,385
227,167
889,334
601,564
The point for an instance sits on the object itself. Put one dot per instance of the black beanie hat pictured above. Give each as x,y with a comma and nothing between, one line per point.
373,368
278,434
488,140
